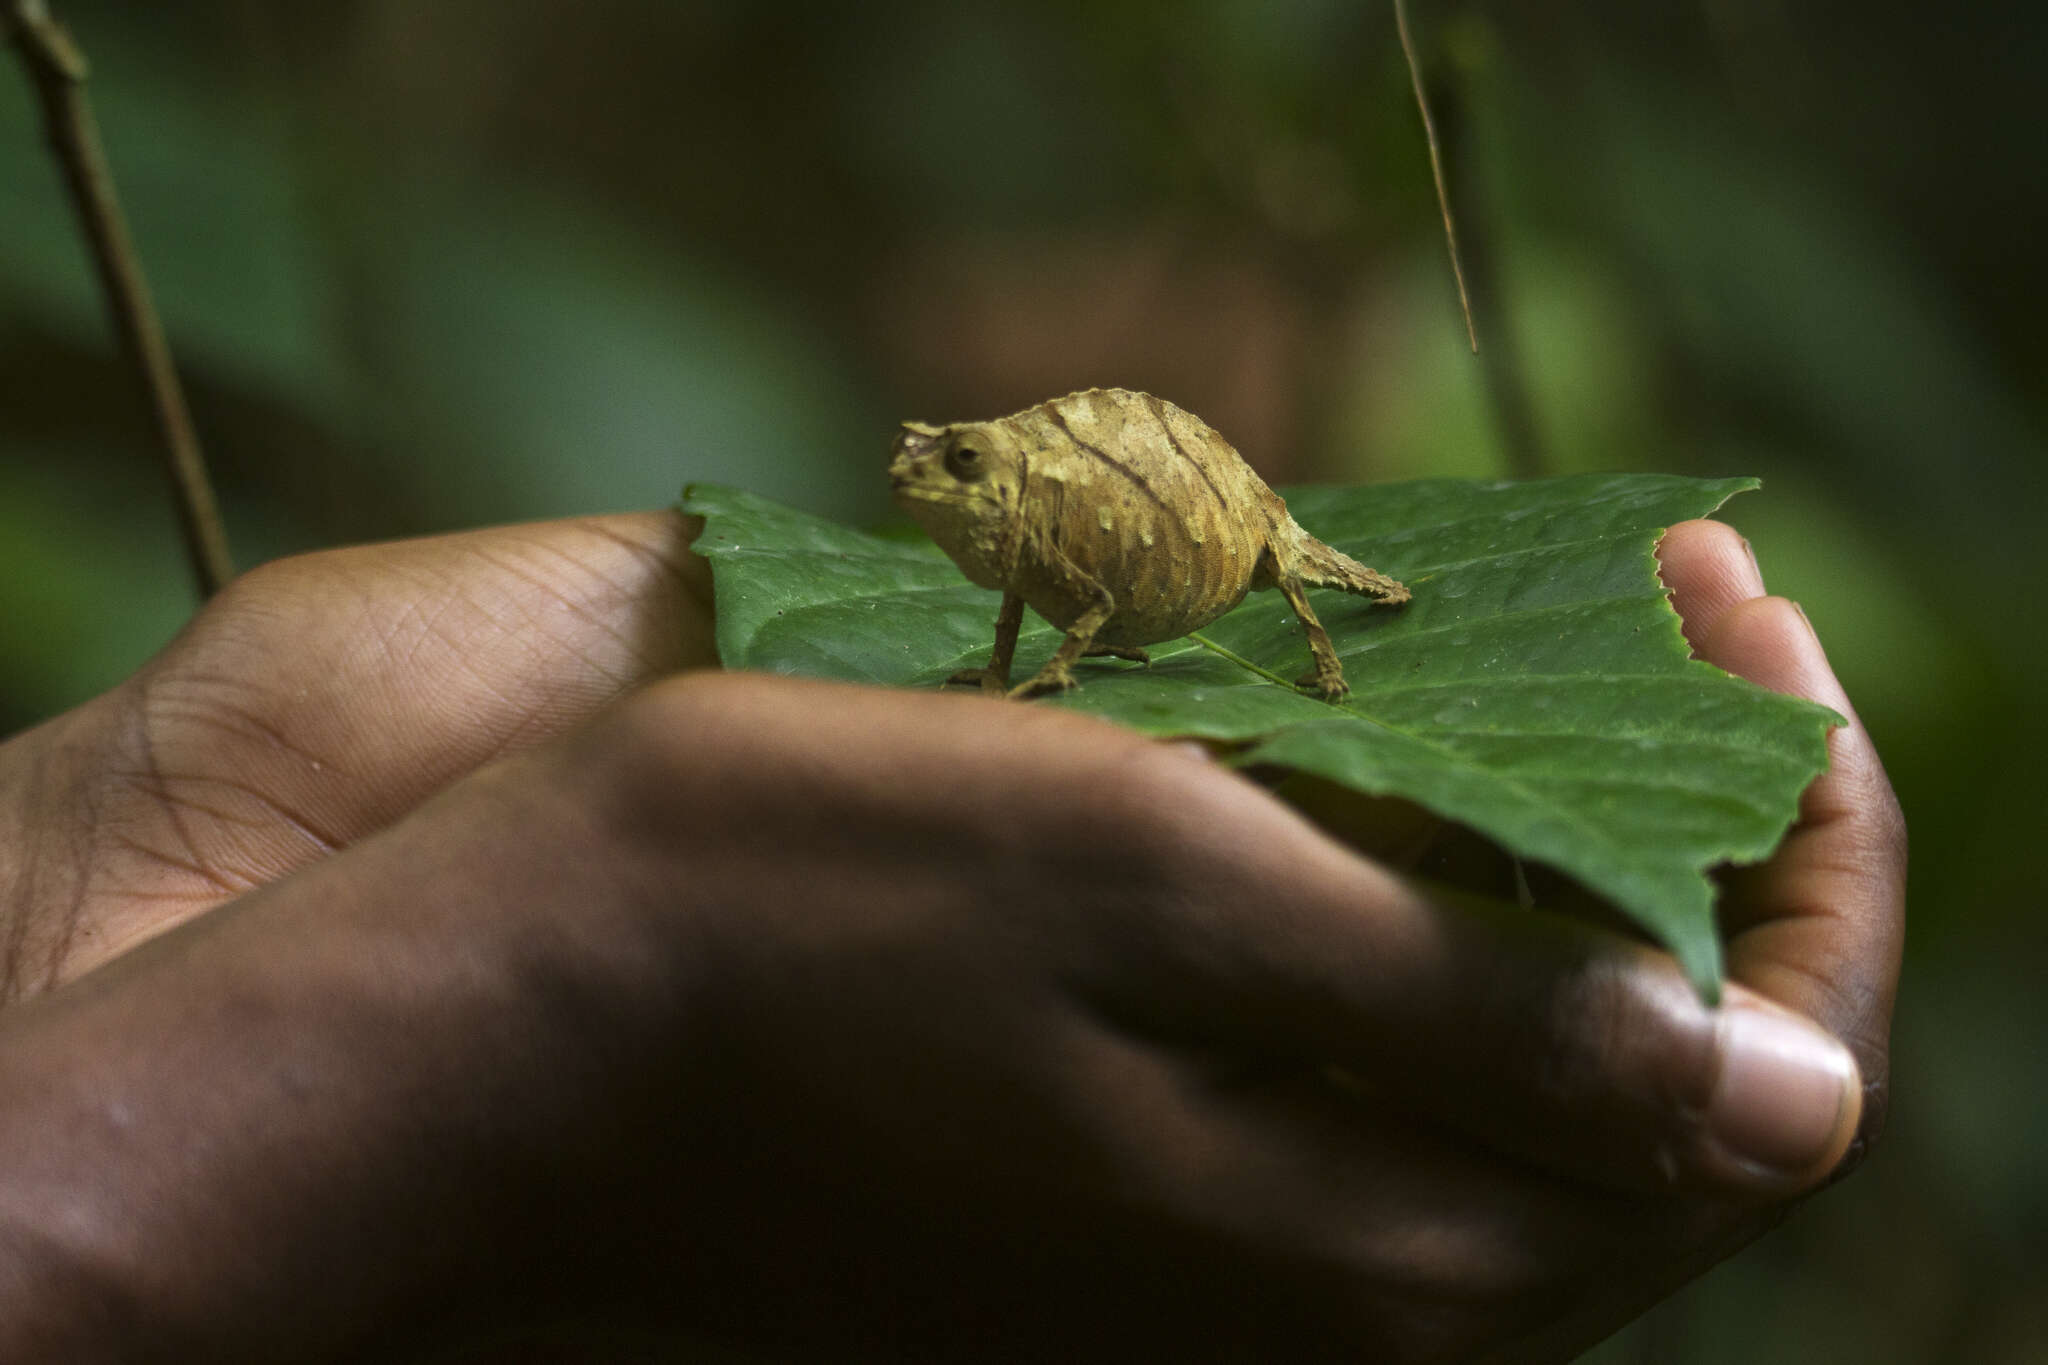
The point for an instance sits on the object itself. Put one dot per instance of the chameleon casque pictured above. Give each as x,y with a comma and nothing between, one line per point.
1121,519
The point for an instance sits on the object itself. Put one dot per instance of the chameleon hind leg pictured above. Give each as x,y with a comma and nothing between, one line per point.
1327,677
995,679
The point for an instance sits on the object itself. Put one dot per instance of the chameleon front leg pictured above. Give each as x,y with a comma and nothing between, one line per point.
995,679
1327,677
1058,673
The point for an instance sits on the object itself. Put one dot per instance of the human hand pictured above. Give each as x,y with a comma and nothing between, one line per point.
1552,1132
1015,1031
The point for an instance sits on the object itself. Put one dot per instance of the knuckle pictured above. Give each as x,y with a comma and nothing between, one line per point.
649,745
274,587
1621,1061
1608,1018
1134,778
1152,810
74,1296
259,583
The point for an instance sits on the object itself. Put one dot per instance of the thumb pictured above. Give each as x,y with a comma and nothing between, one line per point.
1545,1038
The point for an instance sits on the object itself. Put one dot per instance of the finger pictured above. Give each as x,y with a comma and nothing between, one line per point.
1548,1039
1380,1235
321,697
1708,567
346,686
409,664
1820,927
1184,904
1208,1221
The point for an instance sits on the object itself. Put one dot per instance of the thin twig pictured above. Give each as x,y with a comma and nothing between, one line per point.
1436,168
58,69
1500,364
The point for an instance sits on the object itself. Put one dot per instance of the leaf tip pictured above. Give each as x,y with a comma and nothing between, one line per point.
1700,958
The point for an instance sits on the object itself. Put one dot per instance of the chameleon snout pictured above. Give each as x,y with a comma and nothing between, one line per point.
913,443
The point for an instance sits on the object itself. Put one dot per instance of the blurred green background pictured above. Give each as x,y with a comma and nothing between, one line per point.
429,266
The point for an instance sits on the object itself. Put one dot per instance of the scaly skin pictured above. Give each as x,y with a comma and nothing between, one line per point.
1121,519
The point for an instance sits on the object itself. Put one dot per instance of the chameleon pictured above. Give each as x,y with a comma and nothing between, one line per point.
1121,519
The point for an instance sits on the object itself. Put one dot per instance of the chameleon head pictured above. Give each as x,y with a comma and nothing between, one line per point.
962,484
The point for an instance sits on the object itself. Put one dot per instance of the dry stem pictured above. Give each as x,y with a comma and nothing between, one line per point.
57,69
1436,168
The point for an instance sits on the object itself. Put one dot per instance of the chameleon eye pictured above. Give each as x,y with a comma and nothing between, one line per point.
964,462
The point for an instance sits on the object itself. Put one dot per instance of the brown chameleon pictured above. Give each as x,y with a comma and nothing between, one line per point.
1121,519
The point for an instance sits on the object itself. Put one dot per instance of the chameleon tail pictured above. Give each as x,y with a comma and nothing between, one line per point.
1325,567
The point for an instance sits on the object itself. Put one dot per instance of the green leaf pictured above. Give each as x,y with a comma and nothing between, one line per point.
1537,689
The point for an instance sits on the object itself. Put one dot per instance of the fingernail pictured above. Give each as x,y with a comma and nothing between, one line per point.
1192,749
1808,620
1783,1094
1756,570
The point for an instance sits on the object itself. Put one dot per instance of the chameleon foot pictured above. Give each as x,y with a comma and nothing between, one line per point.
1051,678
1327,684
987,679
1131,652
